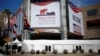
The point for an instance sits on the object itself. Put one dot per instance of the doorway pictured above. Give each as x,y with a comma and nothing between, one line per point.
78,48
48,48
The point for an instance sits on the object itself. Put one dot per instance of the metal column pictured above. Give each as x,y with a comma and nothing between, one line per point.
63,19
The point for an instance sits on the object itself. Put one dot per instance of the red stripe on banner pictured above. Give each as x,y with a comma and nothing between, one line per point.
26,23
43,3
76,32
74,8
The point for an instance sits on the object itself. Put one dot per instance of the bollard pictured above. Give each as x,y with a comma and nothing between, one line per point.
74,51
37,52
65,51
82,50
90,51
98,51
22,51
43,52
54,51
32,51
14,51
9,51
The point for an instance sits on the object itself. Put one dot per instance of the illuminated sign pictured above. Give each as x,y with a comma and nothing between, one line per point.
45,14
75,19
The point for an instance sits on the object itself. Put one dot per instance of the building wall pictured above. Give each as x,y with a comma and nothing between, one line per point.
92,32
60,45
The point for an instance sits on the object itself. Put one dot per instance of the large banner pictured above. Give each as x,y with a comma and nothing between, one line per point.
75,19
19,21
16,24
45,13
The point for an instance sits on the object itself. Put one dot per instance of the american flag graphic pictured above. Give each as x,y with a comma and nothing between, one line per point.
74,8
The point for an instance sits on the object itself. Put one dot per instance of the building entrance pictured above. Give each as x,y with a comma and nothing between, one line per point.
47,36
48,48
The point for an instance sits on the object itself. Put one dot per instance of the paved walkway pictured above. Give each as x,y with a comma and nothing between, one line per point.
2,55
77,54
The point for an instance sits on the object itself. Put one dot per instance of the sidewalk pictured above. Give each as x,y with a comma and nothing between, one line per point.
1,54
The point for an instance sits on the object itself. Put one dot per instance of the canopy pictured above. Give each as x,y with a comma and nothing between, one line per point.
17,42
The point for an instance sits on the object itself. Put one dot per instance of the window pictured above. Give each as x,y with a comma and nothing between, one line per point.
93,23
92,12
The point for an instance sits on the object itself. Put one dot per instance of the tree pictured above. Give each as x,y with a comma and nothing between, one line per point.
8,12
